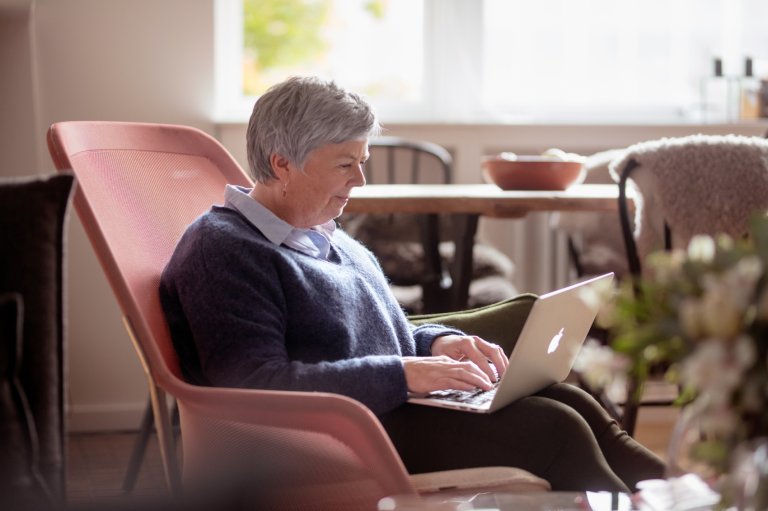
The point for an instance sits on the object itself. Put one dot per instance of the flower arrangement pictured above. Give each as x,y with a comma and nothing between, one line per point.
701,315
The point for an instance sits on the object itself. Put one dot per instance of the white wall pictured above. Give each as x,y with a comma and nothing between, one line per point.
152,61
140,60
17,122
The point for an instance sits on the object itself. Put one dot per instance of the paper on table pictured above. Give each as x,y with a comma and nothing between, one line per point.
686,493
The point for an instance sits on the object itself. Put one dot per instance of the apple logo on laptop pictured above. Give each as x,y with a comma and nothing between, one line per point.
555,342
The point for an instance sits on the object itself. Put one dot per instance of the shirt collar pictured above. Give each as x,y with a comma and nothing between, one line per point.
277,230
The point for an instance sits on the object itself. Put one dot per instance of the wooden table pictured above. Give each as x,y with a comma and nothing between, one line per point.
467,203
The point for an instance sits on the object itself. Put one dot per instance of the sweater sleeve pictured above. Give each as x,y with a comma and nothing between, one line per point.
236,315
425,335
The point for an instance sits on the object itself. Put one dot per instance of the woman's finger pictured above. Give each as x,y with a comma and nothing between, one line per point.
481,352
495,354
470,373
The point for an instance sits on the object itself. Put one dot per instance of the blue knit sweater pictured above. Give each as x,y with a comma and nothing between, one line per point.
244,312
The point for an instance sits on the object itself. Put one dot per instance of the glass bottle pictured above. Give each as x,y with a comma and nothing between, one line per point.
749,104
716,92
763,99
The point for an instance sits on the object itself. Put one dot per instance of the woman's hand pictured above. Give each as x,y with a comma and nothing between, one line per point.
426,374
474,349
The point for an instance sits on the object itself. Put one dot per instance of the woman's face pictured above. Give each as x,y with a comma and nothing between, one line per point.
320,192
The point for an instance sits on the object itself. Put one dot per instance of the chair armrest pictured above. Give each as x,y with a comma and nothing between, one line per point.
285,418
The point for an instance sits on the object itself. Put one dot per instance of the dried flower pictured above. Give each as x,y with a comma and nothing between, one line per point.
703,314
701,248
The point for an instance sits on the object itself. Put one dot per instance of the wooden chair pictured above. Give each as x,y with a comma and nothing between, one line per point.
686,186
417,251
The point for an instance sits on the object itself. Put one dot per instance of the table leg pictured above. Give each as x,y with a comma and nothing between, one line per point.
434,286
464,230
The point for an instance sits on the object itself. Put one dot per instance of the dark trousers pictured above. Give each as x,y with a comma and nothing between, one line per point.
560,434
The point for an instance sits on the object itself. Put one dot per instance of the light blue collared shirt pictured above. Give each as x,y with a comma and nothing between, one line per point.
315,241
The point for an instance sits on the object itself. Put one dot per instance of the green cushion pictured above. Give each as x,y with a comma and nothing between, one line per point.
500,323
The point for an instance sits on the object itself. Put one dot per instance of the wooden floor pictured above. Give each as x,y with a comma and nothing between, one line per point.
96,467
97,461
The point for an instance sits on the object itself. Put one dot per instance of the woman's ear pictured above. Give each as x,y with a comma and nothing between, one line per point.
281,166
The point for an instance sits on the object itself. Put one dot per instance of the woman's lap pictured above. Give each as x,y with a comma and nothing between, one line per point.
435,438
539,433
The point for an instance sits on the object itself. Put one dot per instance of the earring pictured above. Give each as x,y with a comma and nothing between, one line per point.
285,190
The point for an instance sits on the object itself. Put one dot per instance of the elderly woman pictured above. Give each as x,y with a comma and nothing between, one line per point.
267,292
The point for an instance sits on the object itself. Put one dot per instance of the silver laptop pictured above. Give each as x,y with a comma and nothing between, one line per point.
544,353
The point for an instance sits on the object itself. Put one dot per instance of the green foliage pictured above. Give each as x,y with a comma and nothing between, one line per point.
283,37
376,8
284,33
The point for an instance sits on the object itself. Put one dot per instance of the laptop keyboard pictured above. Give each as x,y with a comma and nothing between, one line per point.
476,397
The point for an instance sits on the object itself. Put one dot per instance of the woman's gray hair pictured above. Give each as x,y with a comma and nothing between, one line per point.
297,116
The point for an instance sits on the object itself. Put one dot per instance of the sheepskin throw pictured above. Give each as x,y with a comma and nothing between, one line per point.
700,184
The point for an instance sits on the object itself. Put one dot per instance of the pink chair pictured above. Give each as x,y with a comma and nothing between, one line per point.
139,186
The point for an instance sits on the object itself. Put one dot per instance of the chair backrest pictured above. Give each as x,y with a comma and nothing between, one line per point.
402,160
701,184
139,187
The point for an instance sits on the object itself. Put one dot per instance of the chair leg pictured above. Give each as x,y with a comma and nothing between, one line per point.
146,428
139,447
158,399
175,421
165,438
631,405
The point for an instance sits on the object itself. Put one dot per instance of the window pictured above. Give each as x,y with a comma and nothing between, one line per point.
374,47
612,60
495,60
